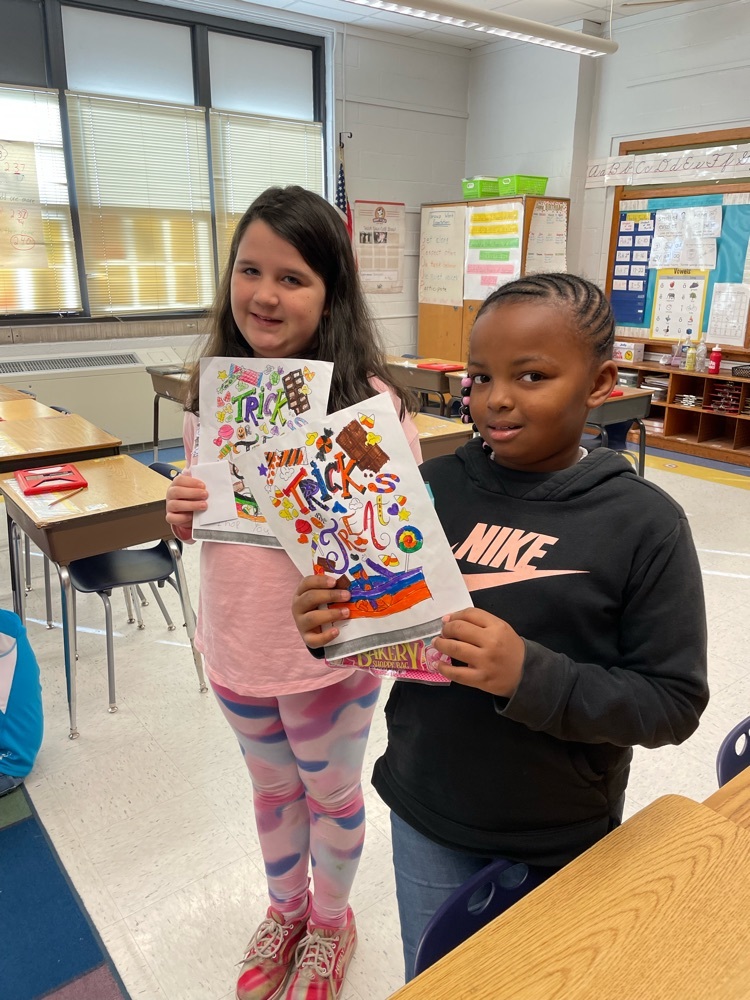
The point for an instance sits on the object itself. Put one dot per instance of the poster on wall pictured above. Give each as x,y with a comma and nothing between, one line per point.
493,247
727,320
345,498
379,241
548,237
441,255
21,227
678,303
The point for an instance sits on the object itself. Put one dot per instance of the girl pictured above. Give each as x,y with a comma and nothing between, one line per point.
566,661
290,290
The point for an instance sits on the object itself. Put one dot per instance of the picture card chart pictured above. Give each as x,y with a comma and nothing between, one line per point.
245,402
441,255
493,247
546,247
345,498
727,320
379,238
630,274
678,304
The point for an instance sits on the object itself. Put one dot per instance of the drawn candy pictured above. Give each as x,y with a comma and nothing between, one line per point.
373,438
225,432
304,528
409,539
367,420
389,561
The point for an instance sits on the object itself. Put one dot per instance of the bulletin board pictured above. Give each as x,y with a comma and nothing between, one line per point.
679,260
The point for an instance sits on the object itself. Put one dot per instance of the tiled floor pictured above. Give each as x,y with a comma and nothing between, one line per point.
150,809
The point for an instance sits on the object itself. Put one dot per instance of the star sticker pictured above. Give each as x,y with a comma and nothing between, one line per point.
222,375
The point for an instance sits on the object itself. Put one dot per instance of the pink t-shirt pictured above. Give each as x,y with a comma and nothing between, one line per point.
245,628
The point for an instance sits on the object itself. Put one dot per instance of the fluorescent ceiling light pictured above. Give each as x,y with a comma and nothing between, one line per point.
494,23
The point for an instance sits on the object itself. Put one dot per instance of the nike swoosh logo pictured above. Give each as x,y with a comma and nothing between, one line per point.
482,581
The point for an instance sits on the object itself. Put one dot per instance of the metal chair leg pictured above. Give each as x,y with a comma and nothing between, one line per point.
157,597
137,607
17,580
129,605
68,619
110,650
141,596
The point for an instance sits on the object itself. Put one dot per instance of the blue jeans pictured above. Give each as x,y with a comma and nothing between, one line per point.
426,875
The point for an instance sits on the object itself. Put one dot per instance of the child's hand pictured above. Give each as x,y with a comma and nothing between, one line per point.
311,621
184,496
493,652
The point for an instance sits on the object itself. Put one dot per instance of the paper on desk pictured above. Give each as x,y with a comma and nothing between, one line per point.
218,479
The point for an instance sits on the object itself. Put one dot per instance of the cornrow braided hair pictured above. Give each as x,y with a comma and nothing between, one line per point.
585,300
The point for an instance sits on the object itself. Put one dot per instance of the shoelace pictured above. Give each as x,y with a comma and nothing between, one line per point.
266,941
318,953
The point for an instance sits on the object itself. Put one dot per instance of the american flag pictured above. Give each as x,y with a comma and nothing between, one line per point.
342,202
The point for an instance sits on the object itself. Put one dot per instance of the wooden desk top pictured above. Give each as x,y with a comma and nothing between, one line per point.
25,409
442,427
123,504
68,436
7,393
733,799
657,910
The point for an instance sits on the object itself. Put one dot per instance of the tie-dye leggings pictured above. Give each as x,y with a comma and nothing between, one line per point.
304,753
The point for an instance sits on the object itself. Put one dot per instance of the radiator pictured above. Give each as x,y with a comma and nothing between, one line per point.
109,387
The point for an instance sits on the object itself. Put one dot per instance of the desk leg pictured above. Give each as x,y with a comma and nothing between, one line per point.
68,624
48,593
16,577
156,428
187,609
641,446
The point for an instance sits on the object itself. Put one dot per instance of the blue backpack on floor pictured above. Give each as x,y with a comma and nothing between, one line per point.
21,718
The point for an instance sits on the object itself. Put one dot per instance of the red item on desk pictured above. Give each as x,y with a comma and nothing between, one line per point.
49,479
442,366
616,392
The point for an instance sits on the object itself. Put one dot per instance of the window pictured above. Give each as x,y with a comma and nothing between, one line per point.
252,153
37,253
141,172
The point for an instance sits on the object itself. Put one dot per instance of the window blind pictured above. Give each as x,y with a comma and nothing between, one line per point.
141,171
37,254
251,153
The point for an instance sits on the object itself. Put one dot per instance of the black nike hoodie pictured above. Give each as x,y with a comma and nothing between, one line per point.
596,569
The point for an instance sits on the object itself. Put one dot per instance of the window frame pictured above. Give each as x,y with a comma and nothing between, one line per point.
200,24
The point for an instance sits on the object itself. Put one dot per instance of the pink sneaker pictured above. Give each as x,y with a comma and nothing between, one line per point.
270,956
322,959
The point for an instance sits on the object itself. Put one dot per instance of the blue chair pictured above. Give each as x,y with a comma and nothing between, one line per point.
734,752
128,569
475,903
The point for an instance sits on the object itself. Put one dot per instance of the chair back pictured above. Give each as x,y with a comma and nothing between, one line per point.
480,899
165,469
734,752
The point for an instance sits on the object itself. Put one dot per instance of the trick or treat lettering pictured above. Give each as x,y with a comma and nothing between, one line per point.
346,506
245,402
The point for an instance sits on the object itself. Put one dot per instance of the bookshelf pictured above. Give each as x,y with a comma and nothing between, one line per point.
706,430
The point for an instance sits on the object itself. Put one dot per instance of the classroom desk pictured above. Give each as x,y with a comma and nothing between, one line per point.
657,909
8,393
124,504
454,384
63,437
440,435
422,380
633,405
24,409
167,383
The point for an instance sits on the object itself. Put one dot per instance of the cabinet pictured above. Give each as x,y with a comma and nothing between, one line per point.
537,243
717,426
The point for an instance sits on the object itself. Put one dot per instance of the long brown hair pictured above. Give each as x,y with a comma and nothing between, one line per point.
347,335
